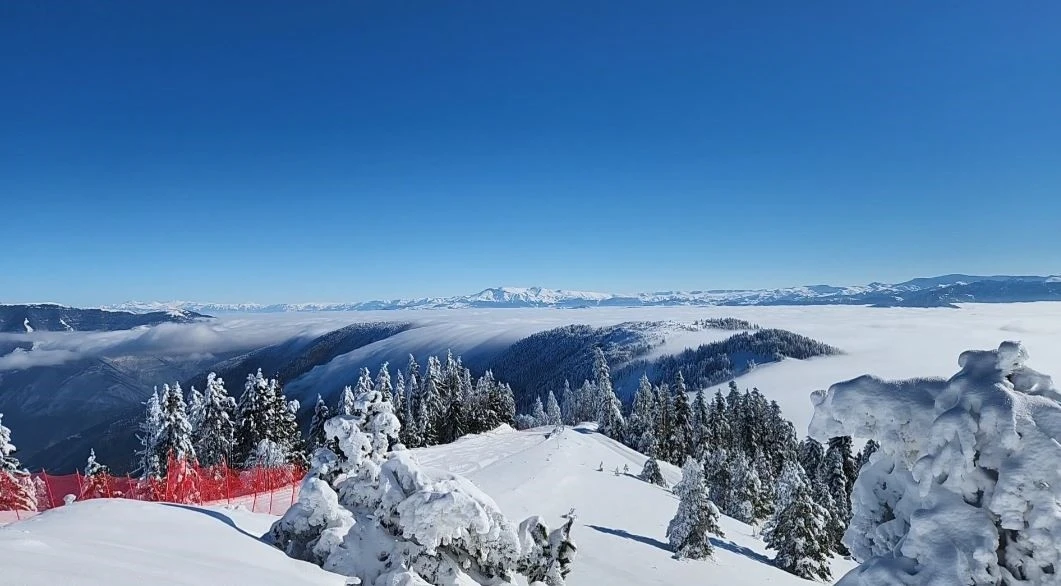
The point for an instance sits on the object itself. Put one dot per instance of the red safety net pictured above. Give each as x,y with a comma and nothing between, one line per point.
262,490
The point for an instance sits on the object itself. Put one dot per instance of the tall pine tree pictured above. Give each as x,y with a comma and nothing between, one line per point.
689,532
214,437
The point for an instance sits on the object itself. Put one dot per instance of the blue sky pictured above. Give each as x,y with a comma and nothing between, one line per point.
282,151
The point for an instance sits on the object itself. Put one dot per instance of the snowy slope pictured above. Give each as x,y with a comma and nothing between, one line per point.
622,521
620,530
128,543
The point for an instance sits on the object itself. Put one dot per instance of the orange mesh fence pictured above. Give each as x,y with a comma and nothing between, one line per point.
262,490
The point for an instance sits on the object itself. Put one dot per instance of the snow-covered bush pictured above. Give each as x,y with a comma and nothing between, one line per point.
651,473
370,511
689,532
965,486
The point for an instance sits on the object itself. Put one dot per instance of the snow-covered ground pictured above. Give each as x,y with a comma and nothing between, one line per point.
121,542
620,530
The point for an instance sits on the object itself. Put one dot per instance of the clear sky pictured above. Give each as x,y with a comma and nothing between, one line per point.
342,150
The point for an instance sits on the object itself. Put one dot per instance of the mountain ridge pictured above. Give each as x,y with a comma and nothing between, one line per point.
918,292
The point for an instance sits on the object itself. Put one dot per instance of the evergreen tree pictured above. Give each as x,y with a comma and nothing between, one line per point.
799,535
552,411
214,438
290,436
717,432
792,478
175,434
346,401
252,416
681,425
17,491
538,413
383,383
832,477
843,445
744,489
609,408
453,422
664,409
321,413
689,532
411,432
431,407
652,474
865,454
195,408
701,413
364,383
94,484
149,466
568,404
400,398
640,428
810,456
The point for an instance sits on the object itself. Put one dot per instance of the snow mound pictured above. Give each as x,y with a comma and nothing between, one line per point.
965,487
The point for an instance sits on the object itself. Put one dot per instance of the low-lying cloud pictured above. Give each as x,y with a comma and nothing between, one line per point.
170,340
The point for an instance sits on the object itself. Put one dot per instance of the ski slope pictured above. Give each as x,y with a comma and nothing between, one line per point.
620,532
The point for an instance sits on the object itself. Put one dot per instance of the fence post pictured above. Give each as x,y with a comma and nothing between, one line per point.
80,489
48,489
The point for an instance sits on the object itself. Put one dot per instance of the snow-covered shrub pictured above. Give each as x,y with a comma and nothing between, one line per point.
651,473
546,556
965,487
370,511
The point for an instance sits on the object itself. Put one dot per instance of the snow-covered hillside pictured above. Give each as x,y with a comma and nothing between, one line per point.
620,530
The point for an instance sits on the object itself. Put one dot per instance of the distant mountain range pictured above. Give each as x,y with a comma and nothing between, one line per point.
942,291
58,318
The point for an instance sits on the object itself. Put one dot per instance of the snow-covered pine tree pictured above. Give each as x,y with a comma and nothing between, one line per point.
432,410
652,474
701,412
552,411
345,406
17,491
215,436
800,537
640,426
665,423
568,404
95,480
689,532
718,433
792,478
321,413
364,383
410,432
538,413
610,409
383,383
147,456
195,408
843,444
175,434
832,476
453,422
546,556
292,435
744,489
251,417
866,453
810,456
681,425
